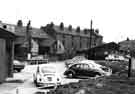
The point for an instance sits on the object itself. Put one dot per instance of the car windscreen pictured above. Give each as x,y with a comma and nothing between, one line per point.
48,70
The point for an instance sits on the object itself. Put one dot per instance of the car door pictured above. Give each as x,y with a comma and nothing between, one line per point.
91,72
77,68
81,69
86,70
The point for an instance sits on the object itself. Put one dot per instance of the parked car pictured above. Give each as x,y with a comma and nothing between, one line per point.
87,68
18,65
46,76
74,60
115,58
38,61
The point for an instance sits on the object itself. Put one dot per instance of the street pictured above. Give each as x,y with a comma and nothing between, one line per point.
28,87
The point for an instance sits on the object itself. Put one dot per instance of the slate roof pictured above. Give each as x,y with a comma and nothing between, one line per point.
6,34
127,45
73,32
35,32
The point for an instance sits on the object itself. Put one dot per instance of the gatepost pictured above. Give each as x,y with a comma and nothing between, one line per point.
132,63
131,66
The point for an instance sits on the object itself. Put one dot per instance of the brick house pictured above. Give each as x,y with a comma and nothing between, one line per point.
73,39
55,40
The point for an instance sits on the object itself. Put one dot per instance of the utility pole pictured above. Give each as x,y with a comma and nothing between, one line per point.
129,67
90,44
28,35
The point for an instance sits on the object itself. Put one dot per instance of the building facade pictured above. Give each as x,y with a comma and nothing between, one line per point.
73,39
54,40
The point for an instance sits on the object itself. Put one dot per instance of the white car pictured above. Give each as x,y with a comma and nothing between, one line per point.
115,58
46,76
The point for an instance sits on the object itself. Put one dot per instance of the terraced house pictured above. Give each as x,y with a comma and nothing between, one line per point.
54,40
72,39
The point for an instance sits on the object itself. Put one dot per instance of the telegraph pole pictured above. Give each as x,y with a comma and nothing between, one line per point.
28,34
90,45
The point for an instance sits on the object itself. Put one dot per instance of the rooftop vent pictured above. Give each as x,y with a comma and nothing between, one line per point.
78,29
86,31
20,23
51,24
70,27
97,31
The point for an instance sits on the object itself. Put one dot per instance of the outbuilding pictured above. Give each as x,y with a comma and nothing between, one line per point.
100,52
6,54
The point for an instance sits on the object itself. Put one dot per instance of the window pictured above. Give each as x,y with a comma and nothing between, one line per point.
75,66
72,41
78,66
63,42
80,43
86,66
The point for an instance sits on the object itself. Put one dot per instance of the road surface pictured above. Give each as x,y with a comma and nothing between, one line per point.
28,86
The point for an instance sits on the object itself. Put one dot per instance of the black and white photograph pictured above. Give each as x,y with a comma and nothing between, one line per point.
67,47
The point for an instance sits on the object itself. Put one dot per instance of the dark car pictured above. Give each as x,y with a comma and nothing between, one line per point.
18,66
86,70
74,60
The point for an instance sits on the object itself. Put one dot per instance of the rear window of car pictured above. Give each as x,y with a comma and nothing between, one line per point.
48,70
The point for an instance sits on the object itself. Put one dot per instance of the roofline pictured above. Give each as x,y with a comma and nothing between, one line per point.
11,33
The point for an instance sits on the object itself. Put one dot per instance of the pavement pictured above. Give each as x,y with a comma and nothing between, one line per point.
16,84
12,83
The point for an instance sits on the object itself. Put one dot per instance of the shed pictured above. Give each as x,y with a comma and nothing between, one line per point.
6,54
100,52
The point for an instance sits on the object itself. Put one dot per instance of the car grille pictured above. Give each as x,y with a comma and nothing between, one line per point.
49,78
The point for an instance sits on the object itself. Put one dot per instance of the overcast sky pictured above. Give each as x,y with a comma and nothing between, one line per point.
115,19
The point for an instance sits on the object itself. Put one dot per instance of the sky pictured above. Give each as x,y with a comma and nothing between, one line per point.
115,19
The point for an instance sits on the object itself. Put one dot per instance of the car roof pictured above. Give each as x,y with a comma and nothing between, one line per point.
46,65
89,62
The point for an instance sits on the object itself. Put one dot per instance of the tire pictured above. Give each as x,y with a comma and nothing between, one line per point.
36,84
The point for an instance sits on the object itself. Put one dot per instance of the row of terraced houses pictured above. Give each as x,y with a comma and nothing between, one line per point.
54,40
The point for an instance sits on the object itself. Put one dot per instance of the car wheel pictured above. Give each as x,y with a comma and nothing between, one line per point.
34,81
36,84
